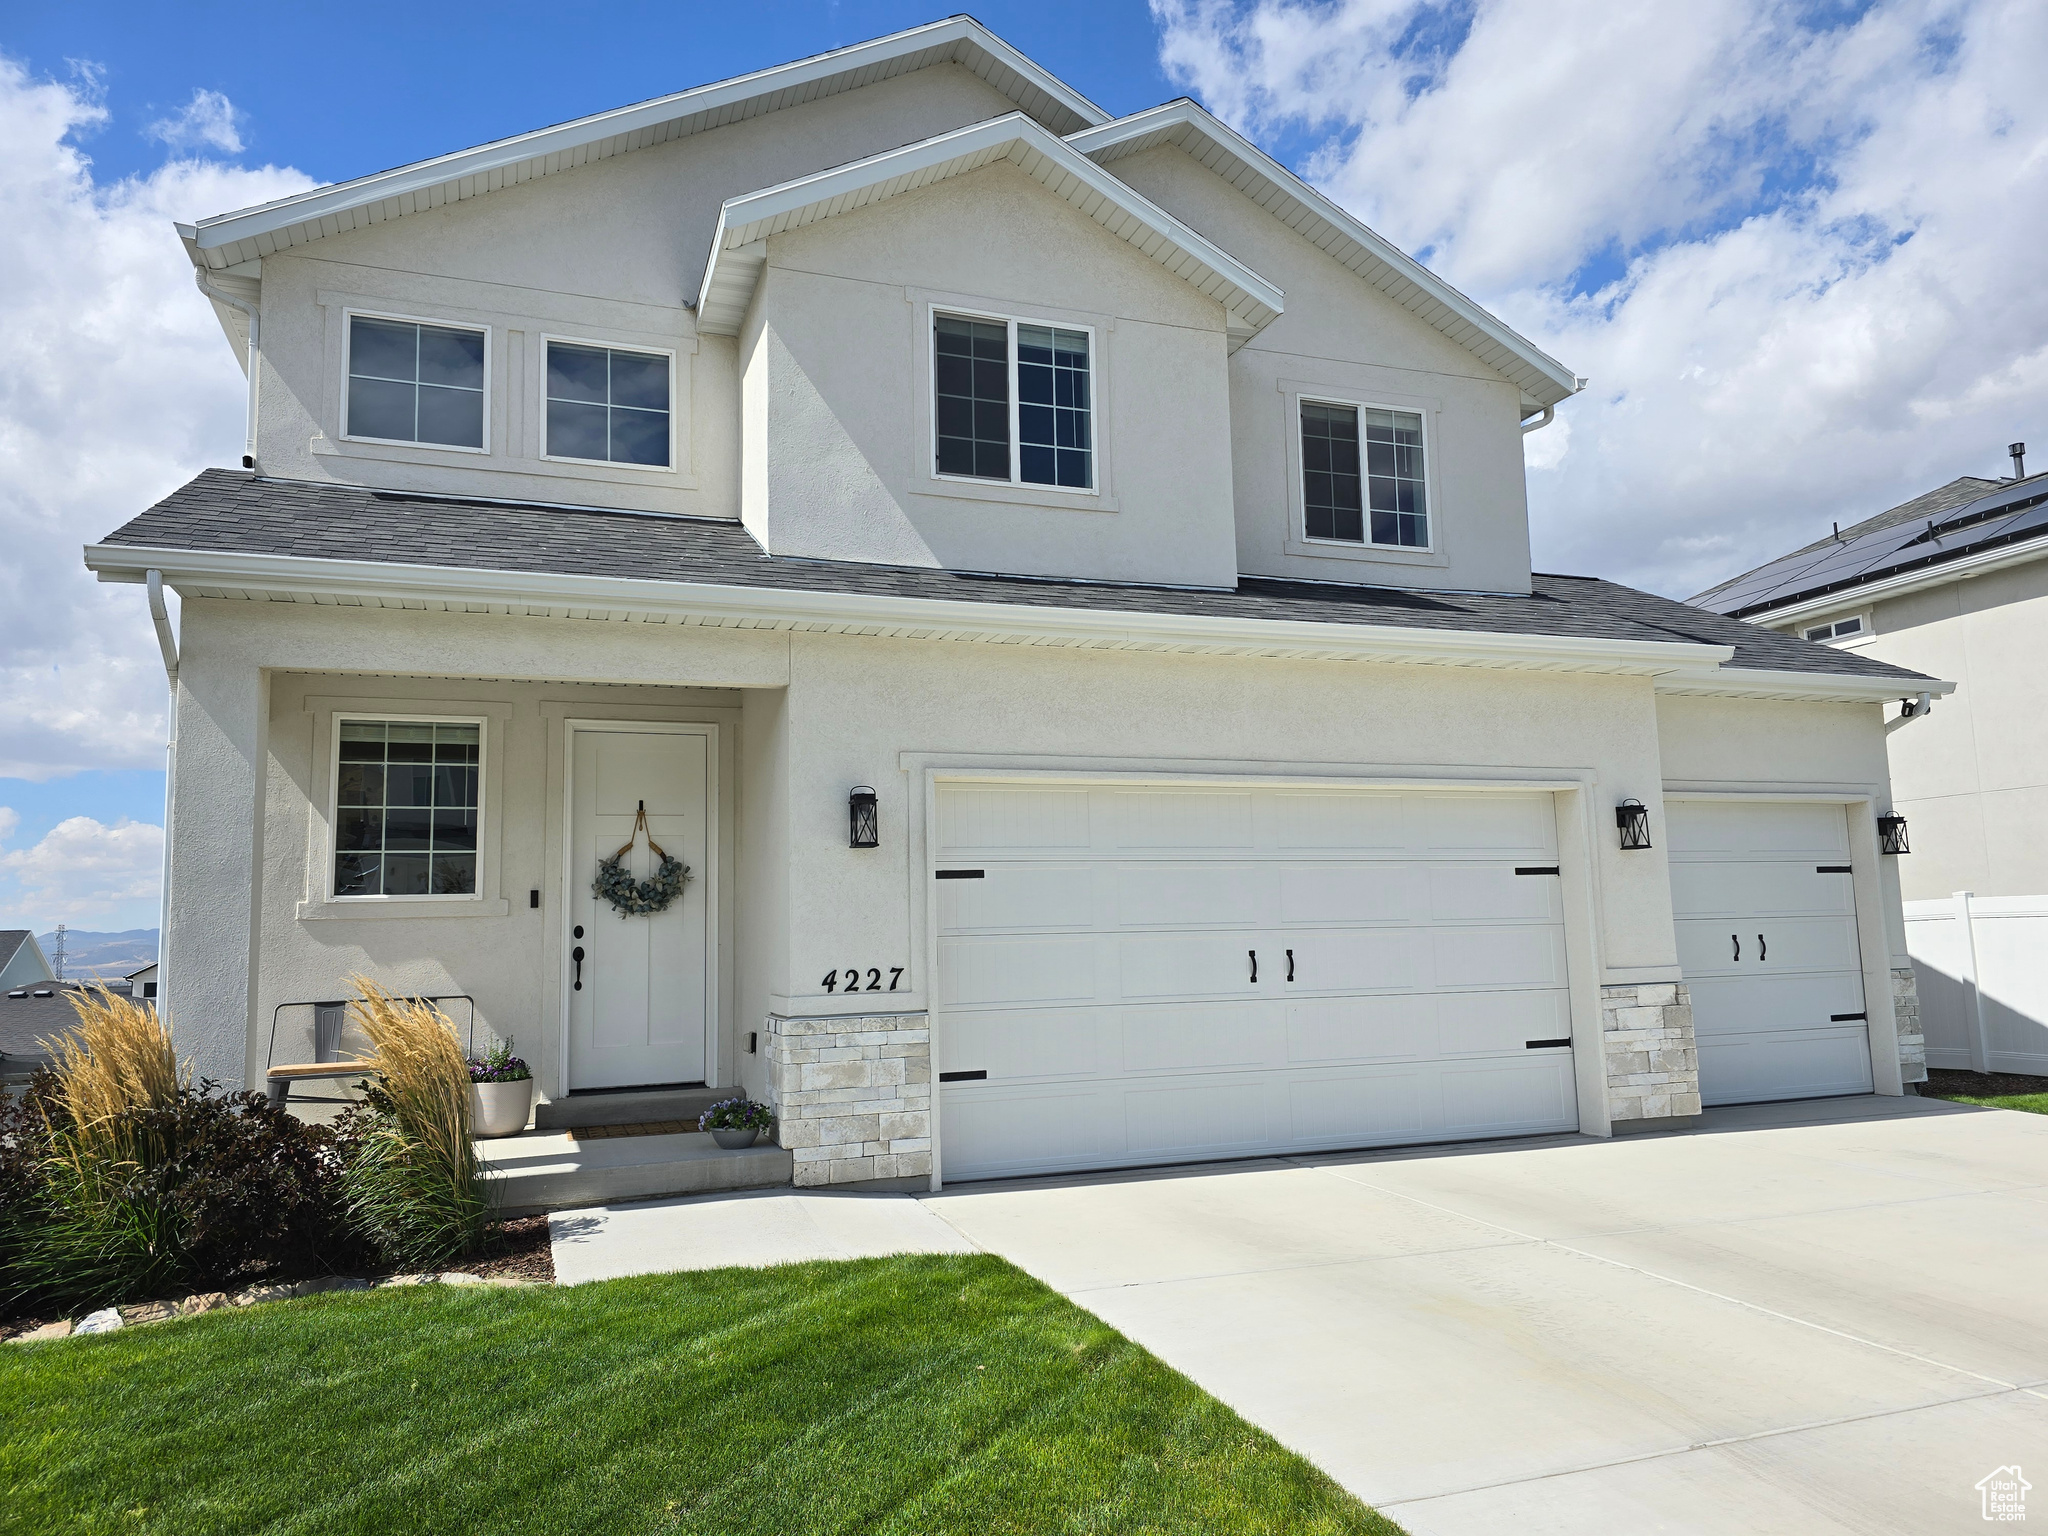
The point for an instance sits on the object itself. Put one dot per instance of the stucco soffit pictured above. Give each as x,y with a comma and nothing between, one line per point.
1346,240
280,578
745,223
249,233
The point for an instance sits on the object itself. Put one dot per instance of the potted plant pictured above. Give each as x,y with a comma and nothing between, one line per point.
500,1092
734,1123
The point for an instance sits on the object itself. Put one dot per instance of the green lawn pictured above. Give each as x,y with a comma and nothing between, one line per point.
924,1394
2032,1103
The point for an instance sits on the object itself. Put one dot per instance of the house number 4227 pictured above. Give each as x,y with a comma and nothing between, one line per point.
851,980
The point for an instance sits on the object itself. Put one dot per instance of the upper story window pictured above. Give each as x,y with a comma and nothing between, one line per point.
405,807
608,405
1013,401
1839,629
410,382
1362,473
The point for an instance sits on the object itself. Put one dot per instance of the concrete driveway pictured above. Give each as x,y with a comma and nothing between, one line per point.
1800,1318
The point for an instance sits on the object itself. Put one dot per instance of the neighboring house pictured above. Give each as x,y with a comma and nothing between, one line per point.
142,983
22,960
1061,585
1954,582
30,1014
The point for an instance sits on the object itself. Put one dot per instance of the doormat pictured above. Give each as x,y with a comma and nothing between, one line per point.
644,1128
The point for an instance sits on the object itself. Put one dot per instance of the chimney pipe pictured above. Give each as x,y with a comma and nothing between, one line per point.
2019,459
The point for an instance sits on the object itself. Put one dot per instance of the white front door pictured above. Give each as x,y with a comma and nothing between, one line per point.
1148,974
1766,913
639,1000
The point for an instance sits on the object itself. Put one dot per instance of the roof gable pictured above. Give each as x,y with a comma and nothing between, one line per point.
250,233
1211,142
739,249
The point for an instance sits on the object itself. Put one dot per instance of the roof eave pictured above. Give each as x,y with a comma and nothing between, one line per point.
1962,567
1798,687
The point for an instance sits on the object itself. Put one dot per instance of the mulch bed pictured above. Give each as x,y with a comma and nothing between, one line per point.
1943,1083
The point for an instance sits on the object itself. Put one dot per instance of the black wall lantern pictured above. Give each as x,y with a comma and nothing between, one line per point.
1891,833
863,820
1633,818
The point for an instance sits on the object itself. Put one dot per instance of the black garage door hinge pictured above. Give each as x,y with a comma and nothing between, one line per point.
1833,869
1536,869
1544,1045
956,874
962,1077
1844,1018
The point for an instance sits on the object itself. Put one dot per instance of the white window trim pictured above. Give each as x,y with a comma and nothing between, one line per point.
1862,616
349,316
548,339
931,407
341,717
1297,531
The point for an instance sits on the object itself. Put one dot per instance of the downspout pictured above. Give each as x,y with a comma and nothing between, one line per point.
1549,415
248,307
160,616
1911,710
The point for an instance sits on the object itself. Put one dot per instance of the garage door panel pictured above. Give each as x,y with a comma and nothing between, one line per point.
1001,819
1792,1064
1313,895
1019,898
1492,893
1361,1029
1190,896
1024,1130
1785,889
1761,944
1179,821
1530,1096
1493,1023
1760,829
1350,823
1199,1037
1355,960
1506,825
1497,957
1166,967
1745,1006
984,972
1014,1044
1190,1119
1362,1108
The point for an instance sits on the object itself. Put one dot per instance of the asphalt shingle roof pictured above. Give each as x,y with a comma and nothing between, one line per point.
227,511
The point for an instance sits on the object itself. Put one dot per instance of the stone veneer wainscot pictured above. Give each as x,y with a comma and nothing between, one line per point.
853,1096
1906,1020
1653,1066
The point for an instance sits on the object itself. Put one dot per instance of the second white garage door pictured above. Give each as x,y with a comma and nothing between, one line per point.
1132,975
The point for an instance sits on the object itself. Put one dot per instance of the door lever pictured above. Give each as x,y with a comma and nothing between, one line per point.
1255,965
1290,965
576,954
1736,940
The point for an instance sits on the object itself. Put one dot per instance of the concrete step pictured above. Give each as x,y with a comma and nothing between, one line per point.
636,1106
550,1170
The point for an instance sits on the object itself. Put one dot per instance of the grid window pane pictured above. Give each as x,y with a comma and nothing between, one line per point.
607,405
971,382
415,383
1055,432
406,819
1331,485
1397,491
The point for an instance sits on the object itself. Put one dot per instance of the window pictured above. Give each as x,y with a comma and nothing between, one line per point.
607,405
415,383
1363,492
405,813
1839,629
1013,402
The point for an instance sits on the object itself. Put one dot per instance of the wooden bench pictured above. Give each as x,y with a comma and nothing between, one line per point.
277,1081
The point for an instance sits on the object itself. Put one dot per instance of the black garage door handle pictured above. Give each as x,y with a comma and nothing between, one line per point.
1736,940
1763,950
1290,965
1255,963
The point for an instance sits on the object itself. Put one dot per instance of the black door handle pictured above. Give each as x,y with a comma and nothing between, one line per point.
1737,942
576,954
1290,965
1763,950
1255,964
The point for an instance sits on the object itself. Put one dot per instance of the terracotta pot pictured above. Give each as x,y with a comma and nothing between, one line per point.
732,1139
500,1109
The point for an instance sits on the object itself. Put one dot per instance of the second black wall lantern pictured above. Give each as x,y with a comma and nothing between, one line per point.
1633,818
1891,833
864,821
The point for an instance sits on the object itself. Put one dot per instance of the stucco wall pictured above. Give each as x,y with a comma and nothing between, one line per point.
1342,337
840,339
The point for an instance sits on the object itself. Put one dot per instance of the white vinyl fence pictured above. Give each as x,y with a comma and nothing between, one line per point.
1982,967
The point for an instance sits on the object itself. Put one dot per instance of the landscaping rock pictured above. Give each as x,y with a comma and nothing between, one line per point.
459,1277
57,1330
205,1301
248,1296
333,1283
390,1280
106,1320
148,1312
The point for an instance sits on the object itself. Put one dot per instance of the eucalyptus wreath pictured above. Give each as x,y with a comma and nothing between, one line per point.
634,898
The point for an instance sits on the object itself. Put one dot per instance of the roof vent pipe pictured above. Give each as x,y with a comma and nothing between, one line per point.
2019,459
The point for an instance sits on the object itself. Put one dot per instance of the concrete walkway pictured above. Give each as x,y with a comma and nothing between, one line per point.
1820,1318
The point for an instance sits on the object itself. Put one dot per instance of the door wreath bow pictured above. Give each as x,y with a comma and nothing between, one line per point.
637,898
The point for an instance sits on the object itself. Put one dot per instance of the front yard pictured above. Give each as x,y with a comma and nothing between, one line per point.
1994,1090
921,1394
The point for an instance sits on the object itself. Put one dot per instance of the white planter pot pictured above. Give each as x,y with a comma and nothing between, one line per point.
500,1109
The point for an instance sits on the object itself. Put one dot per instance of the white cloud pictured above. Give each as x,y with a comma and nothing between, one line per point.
84,873
207,121
1830,229
116,385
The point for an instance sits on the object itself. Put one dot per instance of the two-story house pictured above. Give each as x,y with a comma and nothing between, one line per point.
1063,589
1952,581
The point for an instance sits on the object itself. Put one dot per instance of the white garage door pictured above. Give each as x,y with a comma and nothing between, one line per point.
1134,975
1767,940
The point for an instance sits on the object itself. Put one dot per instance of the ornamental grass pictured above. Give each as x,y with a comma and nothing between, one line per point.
414,1185
117,1062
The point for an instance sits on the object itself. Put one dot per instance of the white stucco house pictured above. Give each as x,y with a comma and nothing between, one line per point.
1062,587
1953,582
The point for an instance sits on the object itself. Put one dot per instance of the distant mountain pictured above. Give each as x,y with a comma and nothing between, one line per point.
101,954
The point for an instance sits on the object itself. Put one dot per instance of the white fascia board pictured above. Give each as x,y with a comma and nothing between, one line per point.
1803,687
913,617
1174,121
1982,563
744,222
728,97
